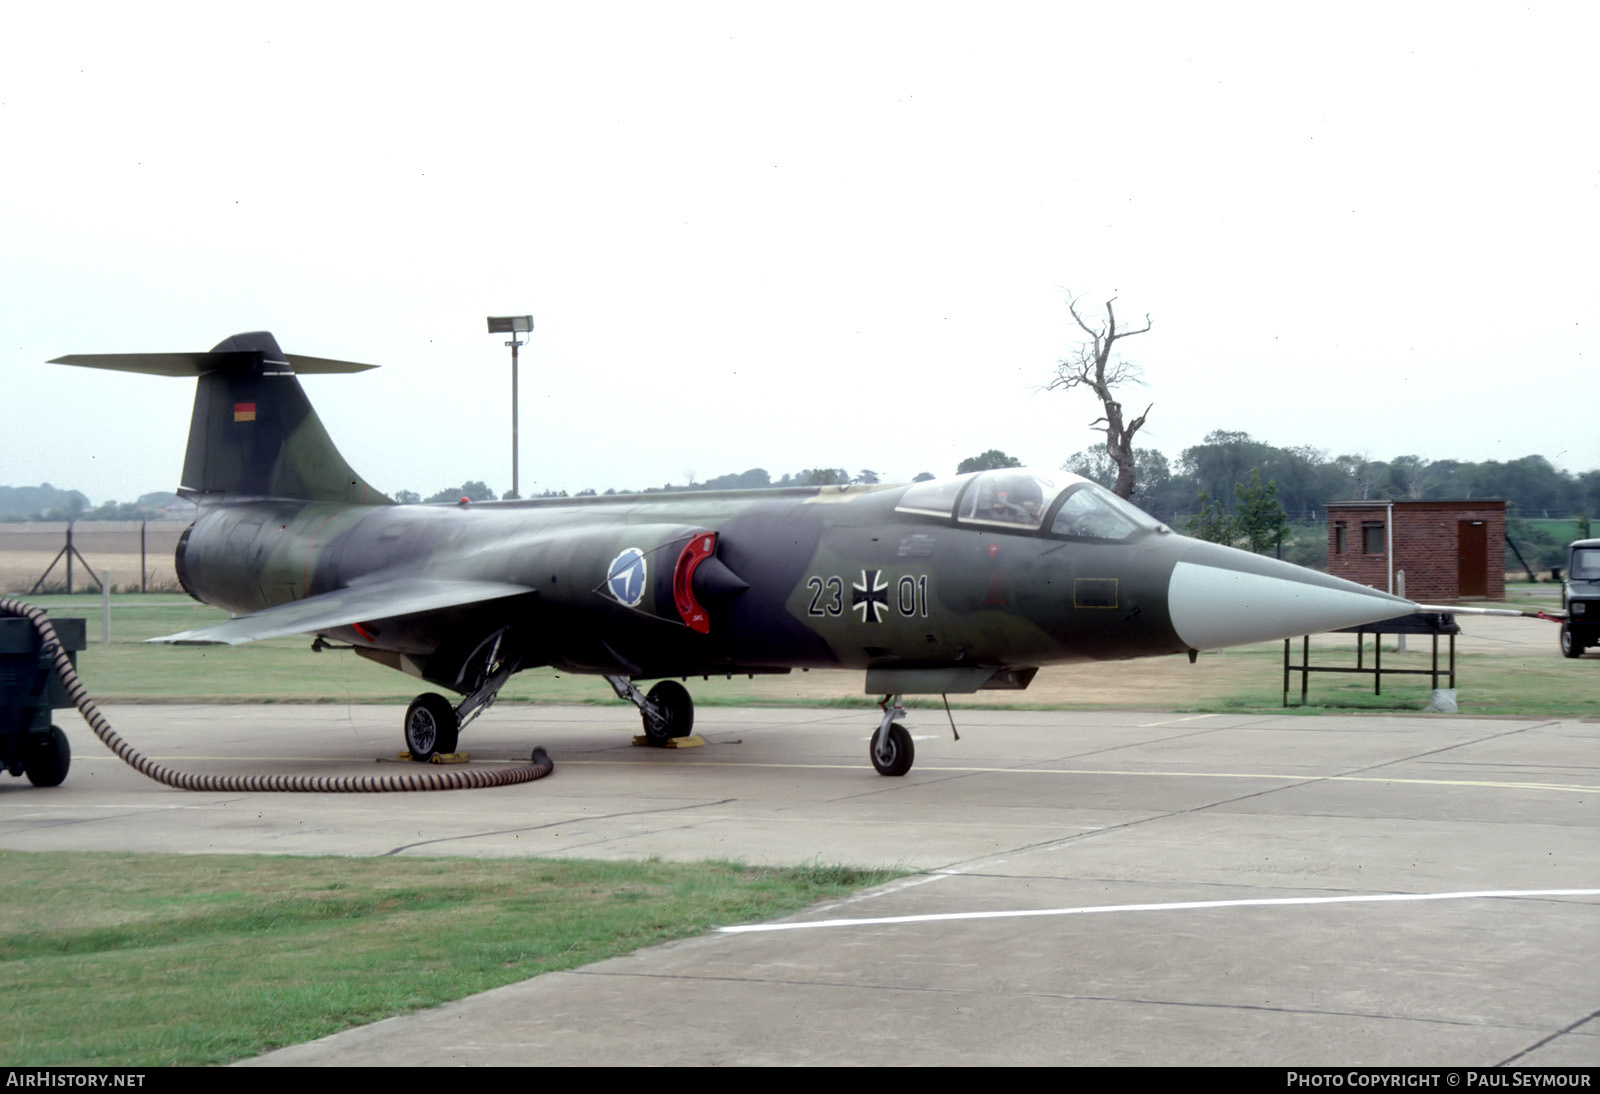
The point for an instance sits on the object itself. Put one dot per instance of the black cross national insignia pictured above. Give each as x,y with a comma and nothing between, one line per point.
870,596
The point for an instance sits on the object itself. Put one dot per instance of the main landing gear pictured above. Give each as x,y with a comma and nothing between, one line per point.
433,726
891,749
667,712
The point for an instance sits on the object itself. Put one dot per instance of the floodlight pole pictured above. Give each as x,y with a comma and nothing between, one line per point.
514,461
512,325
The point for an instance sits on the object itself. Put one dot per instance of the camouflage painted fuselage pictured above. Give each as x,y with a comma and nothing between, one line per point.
821,577
830,577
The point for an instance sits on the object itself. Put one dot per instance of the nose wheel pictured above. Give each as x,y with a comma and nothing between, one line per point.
891,750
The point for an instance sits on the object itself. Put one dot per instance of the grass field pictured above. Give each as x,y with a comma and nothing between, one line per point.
1561,531
138,960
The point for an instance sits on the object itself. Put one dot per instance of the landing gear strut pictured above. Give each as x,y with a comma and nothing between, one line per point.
667,712
891,749
433,725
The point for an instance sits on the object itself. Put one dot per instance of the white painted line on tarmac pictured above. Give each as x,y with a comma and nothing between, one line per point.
1188,905
941,769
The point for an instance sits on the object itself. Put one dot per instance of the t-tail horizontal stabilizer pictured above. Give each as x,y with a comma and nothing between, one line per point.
253,433
200,364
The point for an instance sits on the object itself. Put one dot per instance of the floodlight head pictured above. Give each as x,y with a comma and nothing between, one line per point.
510,324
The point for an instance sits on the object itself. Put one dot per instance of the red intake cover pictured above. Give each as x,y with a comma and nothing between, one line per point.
701,547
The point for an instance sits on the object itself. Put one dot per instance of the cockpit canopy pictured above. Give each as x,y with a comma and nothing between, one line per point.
1024,499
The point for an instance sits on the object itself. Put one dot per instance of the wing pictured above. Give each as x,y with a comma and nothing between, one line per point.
355,604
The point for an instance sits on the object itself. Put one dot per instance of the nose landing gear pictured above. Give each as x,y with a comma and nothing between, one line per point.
891,749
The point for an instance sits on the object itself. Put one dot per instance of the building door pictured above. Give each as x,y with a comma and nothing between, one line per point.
1473,541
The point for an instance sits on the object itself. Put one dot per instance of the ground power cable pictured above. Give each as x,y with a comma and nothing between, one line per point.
540,765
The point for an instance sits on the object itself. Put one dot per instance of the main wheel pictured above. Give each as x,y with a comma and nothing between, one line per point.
430,727
677,712
895,757
47,759
1570,646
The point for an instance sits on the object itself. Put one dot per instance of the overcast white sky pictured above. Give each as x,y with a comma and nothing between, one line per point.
796,235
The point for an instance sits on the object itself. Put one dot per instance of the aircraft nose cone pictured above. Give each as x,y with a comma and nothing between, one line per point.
1212,606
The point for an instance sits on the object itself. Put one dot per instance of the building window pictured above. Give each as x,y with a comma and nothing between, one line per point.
1338,538
1372,537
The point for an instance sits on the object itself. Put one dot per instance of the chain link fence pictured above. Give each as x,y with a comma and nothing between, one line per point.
136,555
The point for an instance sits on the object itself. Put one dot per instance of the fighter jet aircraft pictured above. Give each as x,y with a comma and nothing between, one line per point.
940,587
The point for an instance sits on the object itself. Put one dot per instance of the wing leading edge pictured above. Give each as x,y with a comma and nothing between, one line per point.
344,607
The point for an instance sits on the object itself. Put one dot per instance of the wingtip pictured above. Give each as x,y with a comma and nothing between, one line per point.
187,638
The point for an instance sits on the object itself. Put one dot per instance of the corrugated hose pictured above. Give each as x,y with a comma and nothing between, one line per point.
540,765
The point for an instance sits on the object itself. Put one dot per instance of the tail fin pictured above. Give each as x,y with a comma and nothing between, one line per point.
253,433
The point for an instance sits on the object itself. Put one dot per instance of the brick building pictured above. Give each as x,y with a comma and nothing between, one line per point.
1448,549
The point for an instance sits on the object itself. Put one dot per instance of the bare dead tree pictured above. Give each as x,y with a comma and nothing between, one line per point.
1096,366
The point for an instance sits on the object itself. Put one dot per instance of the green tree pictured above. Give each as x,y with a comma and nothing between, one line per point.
987,461
1093,464
1222,459
1151,470
828,476
42,502
1210,523
472,490
754,478
1258,516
